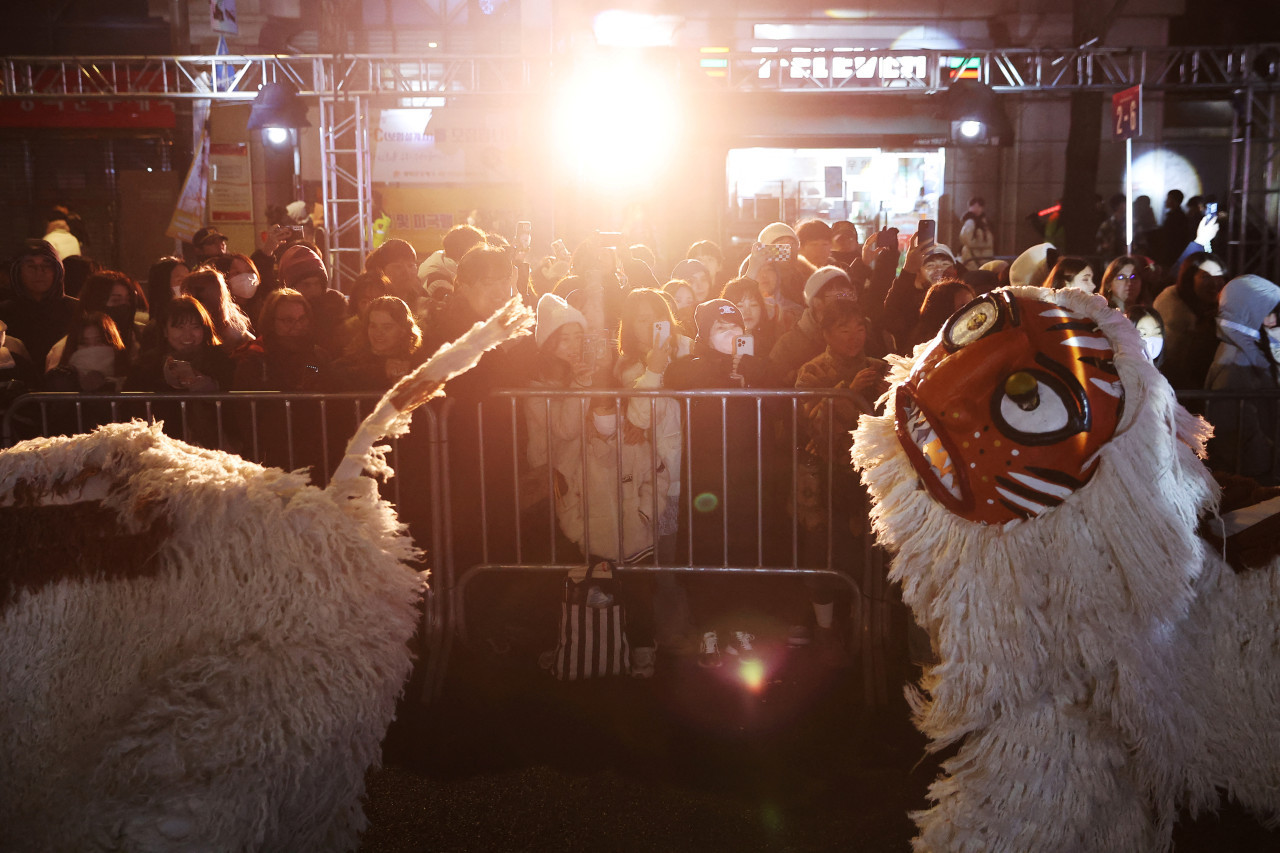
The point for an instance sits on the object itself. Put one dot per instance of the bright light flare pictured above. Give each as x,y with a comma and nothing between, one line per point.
616,124
276,135
970,128
752,674
1159,170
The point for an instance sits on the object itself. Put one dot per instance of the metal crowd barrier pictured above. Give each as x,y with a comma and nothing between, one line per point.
769,428
464,482
465,460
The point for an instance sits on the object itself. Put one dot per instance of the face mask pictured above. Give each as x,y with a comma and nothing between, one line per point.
606,424
177,290
243,286
1154,345
723,341
99,357
1273,340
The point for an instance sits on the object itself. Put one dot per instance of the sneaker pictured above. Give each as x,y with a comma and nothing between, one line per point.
743,645
799,635
830,649
709,653
642,661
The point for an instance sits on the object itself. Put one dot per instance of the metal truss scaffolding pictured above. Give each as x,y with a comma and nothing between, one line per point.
345,87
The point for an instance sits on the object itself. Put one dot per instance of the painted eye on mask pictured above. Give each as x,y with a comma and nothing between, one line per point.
975,320
1031,407
1037,408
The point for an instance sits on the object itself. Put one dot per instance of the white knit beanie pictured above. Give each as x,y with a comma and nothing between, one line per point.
776,231
554,312
820,279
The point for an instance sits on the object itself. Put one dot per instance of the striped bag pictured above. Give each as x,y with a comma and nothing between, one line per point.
593,626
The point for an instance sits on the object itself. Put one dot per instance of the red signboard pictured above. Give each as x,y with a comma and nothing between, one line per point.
59,113
1126,113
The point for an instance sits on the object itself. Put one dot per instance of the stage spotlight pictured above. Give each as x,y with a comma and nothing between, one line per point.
278,105
976,115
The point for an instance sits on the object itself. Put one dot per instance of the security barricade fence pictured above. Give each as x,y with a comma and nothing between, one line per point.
530,483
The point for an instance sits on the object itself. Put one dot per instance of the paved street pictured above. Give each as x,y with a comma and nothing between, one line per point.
690,761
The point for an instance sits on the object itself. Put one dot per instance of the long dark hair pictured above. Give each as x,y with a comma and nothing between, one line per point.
159,291
1067,268
1186,283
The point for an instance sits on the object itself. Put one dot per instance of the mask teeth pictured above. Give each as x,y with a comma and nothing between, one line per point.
925,438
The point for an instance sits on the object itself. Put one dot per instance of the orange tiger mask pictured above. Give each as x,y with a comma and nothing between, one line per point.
1003,417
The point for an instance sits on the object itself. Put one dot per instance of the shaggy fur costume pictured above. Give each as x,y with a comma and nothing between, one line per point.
1100,666
228,689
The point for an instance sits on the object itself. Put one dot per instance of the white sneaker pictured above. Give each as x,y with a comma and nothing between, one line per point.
642,661
709,652
743,645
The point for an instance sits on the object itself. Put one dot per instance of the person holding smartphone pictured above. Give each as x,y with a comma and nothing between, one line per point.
735,476
188,359
927,263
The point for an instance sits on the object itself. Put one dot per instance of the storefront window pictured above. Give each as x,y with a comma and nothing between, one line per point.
872,187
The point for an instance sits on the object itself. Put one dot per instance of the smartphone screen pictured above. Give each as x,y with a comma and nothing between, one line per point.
661,333
1211,210
778,251
744,345
524,235
560,249
927,232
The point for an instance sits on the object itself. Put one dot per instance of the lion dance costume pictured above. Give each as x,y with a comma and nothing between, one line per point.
196,652
1098,663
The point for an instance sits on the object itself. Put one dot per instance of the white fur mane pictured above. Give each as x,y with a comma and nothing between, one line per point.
1068,633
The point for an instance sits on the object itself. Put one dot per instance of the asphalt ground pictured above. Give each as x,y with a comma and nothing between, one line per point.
695,759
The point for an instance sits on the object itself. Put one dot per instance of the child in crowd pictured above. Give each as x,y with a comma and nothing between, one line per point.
843,365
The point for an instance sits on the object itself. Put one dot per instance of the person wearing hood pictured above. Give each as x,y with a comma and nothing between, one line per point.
1248,359
38,311
923,267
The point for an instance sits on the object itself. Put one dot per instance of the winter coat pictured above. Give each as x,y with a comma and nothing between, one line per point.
1190,340
798,345
977,246
1244,362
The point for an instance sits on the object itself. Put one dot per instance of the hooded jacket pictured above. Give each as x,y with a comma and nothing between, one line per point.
38,322
1243,362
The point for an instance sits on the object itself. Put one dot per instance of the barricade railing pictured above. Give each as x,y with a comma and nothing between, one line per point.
764,488
288,430
1246,427
474,499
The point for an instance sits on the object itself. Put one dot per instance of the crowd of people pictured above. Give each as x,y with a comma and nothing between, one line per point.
813,306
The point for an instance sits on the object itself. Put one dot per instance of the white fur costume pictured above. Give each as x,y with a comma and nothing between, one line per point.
231,693
1100,665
